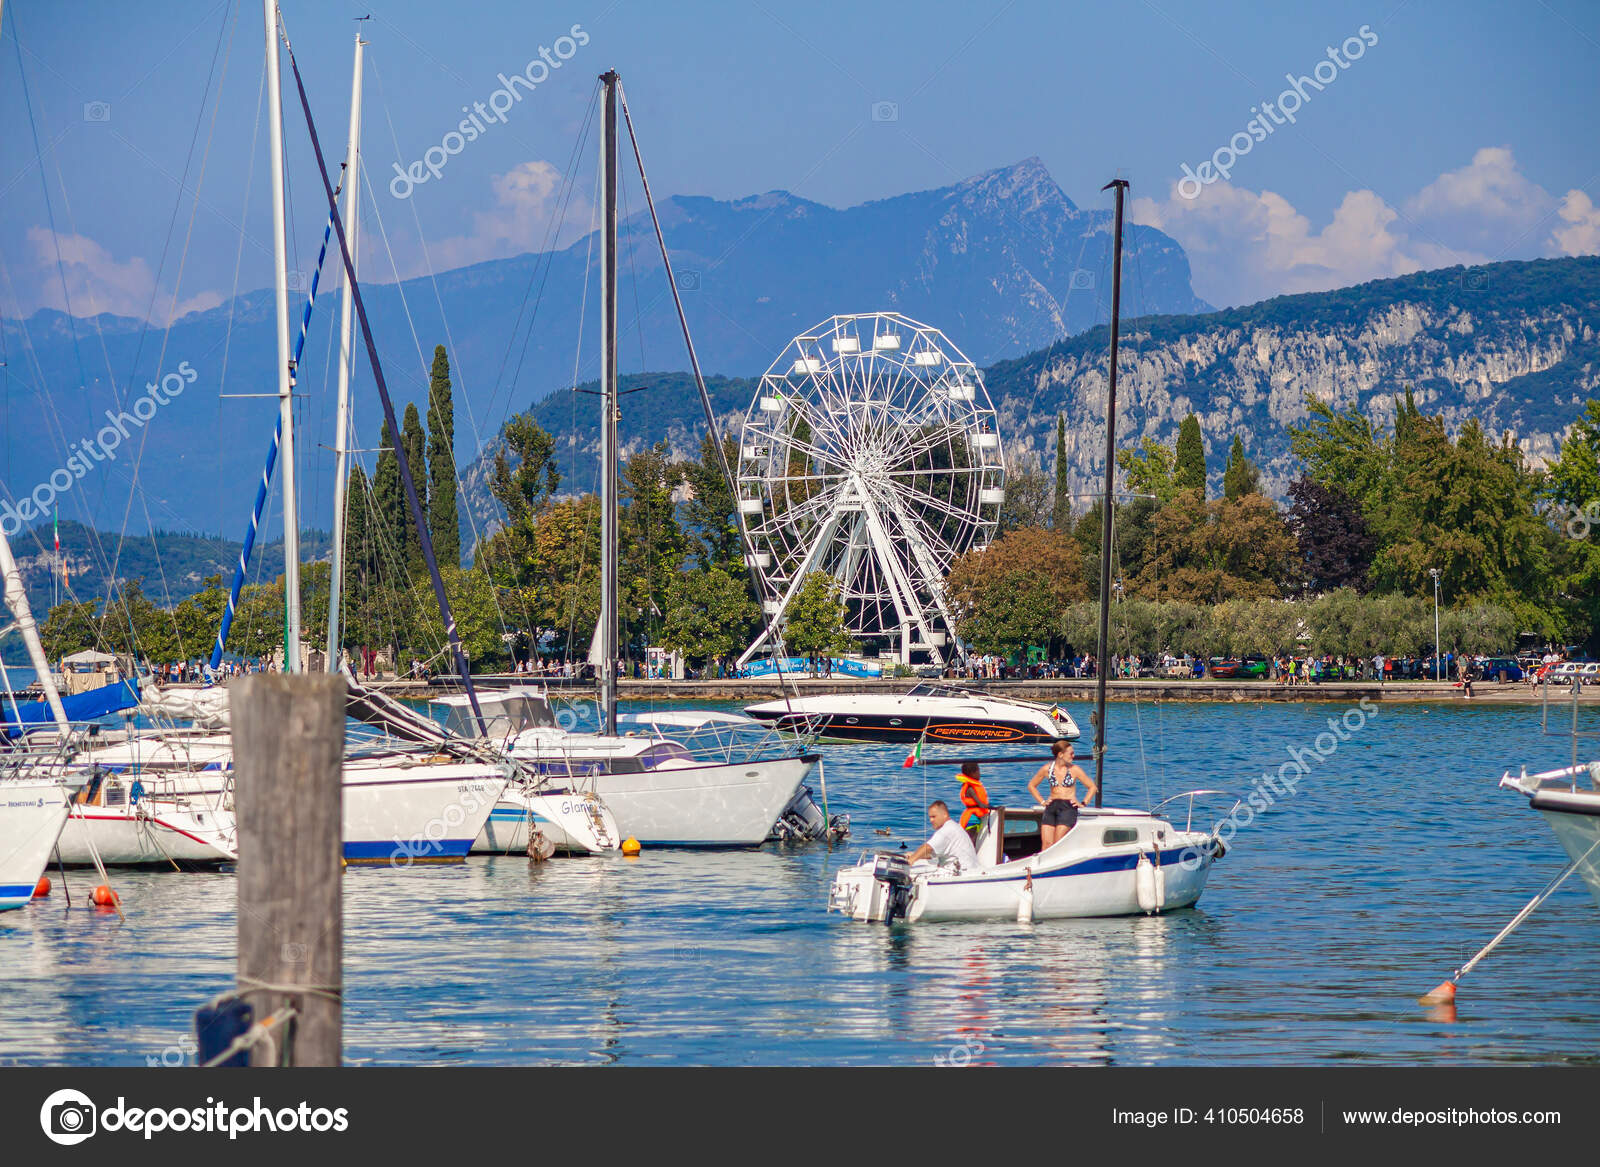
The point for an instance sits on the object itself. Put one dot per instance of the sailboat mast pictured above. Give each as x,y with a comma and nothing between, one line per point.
608,412
280,282
16,599
1119,186
341,441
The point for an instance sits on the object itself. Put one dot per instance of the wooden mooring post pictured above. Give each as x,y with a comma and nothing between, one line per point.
288,744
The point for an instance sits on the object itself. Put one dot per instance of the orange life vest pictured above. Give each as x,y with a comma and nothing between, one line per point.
974,798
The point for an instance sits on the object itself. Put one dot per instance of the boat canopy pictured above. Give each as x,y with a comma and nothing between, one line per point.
506,712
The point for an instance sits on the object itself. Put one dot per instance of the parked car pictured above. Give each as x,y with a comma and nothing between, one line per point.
1564,673
1225,668
1501,668
1254,667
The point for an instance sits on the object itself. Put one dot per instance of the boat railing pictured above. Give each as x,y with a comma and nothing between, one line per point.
1191,795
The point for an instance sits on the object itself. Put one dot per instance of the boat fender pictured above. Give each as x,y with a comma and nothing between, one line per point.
1025,900
1144,884
1160,881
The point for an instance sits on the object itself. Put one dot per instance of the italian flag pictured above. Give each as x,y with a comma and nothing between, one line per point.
914,758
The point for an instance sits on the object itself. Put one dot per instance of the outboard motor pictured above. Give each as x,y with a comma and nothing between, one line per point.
894,872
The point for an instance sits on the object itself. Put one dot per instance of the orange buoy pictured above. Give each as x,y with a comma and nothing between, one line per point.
630,847
104,897
42,888
1443,995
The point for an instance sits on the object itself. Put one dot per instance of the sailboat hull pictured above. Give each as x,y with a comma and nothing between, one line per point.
704,805
1578,831
422,812
575,824
31,816
148,833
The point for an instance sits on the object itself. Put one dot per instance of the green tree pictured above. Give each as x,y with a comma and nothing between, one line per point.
710,511
1571,492
653,544
414,445
444,525
393,519
815,619
1189,472
1030,496
709,616
71,627
1151,469
1012,593
1207,552
1241,476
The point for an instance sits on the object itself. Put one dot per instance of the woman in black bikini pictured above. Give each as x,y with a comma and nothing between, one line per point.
1061,808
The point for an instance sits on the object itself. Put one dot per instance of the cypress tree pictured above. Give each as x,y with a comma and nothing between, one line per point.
1062,516
444,522
389,499
414,444
358,557
1191,470
1241,476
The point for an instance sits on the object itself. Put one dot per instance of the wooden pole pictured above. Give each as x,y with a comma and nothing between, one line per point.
288,738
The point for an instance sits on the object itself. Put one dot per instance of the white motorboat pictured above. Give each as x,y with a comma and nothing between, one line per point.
1573,812
657,789
1112,863
929,712
33,808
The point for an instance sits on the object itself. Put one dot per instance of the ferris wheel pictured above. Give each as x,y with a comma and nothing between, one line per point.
871,453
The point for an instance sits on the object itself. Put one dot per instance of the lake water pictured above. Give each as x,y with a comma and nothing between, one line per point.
1334,910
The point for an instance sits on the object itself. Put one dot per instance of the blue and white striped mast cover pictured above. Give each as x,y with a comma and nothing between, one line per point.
242,569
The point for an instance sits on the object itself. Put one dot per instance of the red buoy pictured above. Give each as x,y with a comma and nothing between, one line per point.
104,897
42,888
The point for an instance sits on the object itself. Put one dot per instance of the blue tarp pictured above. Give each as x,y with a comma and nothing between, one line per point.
90,706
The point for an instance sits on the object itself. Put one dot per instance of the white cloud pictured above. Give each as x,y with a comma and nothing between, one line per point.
1246,245
97,282
1489,207
1581,235
526,203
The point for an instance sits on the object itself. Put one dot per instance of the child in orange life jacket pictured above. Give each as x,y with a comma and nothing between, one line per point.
974,799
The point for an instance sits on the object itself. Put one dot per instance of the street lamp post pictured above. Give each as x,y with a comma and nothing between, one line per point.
1434,571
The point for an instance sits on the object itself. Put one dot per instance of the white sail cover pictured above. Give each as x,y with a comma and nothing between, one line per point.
206,708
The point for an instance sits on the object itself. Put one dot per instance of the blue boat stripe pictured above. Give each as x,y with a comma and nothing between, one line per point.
1096,866
420,851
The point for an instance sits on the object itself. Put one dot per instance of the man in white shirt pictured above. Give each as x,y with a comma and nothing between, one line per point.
949,844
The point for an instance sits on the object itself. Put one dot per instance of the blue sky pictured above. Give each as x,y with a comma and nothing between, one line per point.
1465,133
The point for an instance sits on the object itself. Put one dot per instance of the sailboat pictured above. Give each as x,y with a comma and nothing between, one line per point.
33,792
659,792
401,806
1110,863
